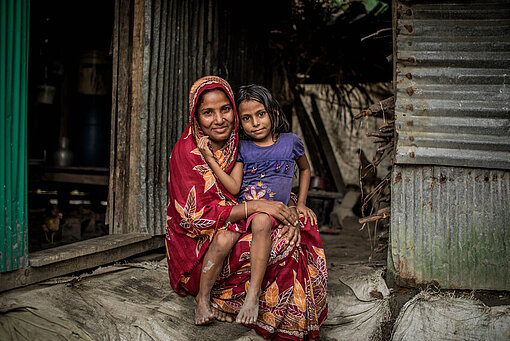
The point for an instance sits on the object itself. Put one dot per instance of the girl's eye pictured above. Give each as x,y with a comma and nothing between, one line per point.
245,118
262,113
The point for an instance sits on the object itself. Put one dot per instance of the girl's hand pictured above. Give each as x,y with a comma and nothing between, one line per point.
203,145
307,213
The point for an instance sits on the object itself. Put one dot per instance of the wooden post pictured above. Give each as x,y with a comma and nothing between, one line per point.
317,157
326,148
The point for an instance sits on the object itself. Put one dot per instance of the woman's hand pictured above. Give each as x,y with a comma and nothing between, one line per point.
204,147
278,210
307,214
294,234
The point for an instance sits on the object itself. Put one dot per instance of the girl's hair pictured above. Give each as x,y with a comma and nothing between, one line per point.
279,123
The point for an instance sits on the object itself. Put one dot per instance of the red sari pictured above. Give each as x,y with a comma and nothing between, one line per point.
293,303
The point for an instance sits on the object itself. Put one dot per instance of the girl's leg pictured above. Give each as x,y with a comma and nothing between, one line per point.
220,247
261,225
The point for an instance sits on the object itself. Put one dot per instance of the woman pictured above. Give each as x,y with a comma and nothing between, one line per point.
202,224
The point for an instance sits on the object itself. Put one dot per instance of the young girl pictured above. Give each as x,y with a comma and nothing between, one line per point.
264,170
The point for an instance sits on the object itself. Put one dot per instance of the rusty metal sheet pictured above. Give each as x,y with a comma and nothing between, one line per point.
452,67
450,225
183,41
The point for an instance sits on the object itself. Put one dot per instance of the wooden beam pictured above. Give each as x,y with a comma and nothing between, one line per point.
317,157
327,148
87,179
79,256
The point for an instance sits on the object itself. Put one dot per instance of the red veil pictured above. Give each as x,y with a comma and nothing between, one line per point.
198,204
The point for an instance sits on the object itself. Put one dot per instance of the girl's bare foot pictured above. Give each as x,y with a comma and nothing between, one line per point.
203,313
250,310
221,316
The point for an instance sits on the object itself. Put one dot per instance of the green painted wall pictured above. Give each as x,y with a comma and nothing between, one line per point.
14,26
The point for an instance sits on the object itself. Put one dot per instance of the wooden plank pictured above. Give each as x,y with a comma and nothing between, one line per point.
132,206
30,275
83,248
122,137
87,179
327,148
324,194
311,139
114,114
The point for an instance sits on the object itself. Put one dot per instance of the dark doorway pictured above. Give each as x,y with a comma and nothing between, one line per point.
69,101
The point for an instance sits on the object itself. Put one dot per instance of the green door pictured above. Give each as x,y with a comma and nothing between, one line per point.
14,25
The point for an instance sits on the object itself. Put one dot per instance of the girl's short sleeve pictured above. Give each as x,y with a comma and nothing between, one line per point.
240,157
298,149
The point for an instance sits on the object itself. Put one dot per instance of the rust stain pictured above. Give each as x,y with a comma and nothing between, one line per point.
486,177
406,275
410,91
410,123
411,154
430,204
410,107
407,60
409,28
410,43
432,178
409,76
442,178
409,12
494,177
411,138
398,177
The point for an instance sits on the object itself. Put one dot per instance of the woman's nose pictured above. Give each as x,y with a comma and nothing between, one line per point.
218,117
255,122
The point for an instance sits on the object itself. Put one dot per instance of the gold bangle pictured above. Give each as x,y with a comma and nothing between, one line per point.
292,206
245,210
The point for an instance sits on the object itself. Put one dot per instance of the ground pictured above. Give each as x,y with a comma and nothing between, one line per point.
133,300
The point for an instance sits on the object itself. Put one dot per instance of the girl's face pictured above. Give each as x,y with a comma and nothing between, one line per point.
256,122
216,117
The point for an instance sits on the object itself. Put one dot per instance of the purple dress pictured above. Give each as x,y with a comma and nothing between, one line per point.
268,172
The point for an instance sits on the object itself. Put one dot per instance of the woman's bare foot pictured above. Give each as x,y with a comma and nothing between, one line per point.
203,313
250,310
221,316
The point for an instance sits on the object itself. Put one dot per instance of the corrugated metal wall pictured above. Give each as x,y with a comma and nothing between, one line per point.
179,42
451,224
14,25
453,66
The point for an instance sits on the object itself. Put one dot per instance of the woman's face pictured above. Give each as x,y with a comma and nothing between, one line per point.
216,117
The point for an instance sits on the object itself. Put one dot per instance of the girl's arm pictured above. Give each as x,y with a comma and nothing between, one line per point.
232,181
304,183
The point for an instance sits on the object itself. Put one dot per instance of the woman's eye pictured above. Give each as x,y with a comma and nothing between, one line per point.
206,113
227,108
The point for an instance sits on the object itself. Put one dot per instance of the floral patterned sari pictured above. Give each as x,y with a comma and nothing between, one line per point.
293,303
